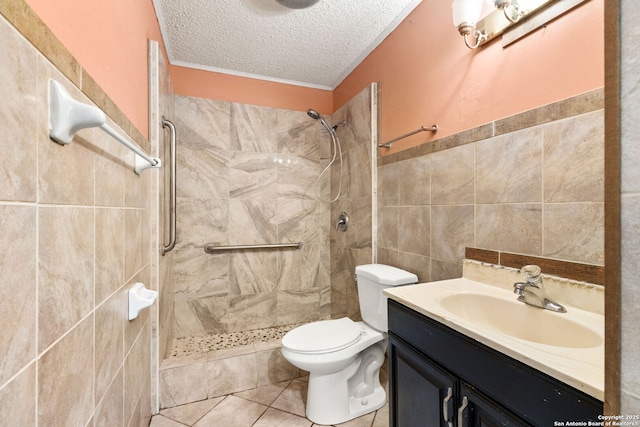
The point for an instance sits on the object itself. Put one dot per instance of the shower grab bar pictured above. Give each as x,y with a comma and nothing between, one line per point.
67,116
433,129
172,182
210,248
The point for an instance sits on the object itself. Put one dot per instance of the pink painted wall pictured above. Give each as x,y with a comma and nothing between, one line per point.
427,75
225,87
109,39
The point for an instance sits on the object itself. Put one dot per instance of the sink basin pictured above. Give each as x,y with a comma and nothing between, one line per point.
521,321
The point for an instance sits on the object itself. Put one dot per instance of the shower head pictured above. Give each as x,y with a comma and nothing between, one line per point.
313,114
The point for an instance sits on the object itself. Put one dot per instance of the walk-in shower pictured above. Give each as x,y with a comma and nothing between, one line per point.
336,149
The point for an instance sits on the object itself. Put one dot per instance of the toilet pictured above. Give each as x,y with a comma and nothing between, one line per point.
344,357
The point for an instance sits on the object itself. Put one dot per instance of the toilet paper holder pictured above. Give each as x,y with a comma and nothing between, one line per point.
139,298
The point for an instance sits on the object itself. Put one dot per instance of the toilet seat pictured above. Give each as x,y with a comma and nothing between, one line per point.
322,337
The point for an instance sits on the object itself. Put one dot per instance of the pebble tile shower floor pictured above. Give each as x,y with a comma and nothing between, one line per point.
275,405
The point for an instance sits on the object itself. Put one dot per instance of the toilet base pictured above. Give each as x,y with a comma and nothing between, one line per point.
355,391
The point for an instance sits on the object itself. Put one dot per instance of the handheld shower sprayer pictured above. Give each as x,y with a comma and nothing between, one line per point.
316,116
337,149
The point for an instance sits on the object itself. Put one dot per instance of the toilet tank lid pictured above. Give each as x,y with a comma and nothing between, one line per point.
386,274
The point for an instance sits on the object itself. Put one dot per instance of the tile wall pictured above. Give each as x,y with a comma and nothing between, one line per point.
355,246
74,223
161,105
530,184
247,175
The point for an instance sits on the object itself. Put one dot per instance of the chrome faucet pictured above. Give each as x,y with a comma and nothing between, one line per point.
532,292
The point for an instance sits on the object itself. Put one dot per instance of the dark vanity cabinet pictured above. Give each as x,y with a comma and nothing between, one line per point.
439,377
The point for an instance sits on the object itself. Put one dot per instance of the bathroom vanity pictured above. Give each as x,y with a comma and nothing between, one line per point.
451,371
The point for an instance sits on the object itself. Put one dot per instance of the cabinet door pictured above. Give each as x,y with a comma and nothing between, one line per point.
476,410
420,393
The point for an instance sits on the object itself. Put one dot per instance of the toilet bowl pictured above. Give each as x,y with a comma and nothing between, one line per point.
344,357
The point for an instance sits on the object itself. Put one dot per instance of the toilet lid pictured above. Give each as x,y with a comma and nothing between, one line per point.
322,337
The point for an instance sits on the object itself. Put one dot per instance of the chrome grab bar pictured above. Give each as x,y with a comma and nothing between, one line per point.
210,248
172,182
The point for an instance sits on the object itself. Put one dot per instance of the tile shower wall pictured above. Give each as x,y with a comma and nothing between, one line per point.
161,105
353,247
247,175
537,190
74,223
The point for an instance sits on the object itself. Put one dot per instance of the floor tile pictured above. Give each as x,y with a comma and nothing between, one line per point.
293,399
190,413
276,418
232,412
363,421
160,421
264,395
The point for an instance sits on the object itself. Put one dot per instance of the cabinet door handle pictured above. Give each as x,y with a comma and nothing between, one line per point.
461,411
447,407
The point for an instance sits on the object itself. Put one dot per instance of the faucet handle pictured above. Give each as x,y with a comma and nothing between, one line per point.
532,273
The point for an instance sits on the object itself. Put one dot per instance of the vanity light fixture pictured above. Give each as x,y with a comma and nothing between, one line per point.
466,14
477,31
513,10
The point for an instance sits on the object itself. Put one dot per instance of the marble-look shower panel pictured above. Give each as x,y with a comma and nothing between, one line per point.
249,175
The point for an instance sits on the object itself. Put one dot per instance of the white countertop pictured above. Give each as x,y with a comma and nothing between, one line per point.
581,368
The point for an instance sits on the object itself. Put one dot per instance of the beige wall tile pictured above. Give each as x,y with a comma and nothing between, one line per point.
452,176
200,316
272,367
414,181
509,168
416,264
109,341
451,231
65,282
510,228
253,311
574,159
388,227
199,274
109,257
203,122
18,400
65,379
17,119
18,295
230,375
414,229
109,411
136,371
132,242
111,170
388,186
295,306
183,385
574,231
253,128
204,172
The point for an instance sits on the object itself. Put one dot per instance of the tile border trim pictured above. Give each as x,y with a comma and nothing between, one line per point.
571,270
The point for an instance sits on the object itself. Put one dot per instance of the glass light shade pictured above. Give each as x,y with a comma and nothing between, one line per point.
297,4
467,11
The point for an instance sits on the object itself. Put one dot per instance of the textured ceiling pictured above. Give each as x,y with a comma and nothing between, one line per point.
315,47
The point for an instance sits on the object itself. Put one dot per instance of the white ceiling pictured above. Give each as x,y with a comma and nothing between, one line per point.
315,47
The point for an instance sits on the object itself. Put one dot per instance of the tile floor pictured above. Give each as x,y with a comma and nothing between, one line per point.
275,405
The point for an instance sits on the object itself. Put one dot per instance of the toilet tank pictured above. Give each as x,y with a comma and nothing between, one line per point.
372,279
